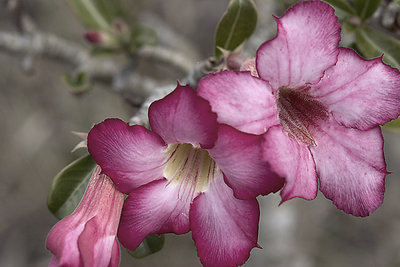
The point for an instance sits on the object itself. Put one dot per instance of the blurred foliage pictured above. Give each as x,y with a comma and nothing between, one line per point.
373,43
152,244
109,18
142,35
76,82
343,5
97,14
366,8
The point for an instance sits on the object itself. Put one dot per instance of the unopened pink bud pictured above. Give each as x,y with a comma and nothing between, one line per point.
93,37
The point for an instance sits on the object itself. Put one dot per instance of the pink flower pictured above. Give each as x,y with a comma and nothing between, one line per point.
87,237
188,173
319,108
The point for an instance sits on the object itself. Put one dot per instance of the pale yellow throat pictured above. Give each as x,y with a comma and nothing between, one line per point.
190,166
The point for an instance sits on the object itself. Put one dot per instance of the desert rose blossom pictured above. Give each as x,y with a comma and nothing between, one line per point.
188,173
319,108
87,237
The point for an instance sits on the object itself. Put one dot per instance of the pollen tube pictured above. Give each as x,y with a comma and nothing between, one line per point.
190,166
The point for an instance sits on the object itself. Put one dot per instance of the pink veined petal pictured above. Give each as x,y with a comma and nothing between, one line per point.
291,160
184,117
351,167
304,47
95,249
240,100
239,156
155,208
62,242
115,254
130,155
360,93
98,213
224,228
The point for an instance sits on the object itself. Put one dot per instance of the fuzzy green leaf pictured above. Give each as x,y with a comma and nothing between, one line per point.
366,8
152,244
236,25
69,185
373,43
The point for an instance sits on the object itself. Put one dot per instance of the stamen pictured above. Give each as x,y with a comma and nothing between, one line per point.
190,167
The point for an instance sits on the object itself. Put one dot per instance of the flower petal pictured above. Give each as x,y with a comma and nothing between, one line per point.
184,117
292,160
115,254
239,156
87,235
304,47
250,65
155,208
62,242
360,93
54,262
351,167
240,100
130,155
95,249
224,228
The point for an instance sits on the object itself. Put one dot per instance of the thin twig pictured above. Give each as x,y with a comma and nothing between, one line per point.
50,45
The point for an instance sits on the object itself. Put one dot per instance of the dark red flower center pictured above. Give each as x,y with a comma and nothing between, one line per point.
299,113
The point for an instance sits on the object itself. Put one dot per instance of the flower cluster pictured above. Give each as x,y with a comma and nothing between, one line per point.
304,111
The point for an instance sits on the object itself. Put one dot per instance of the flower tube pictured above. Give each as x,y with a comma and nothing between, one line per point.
87,237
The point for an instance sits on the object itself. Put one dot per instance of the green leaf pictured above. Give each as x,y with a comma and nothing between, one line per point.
142,35
97,14
236,25
152,244
77,82
373,43
366,8
343,5
69,185
393,125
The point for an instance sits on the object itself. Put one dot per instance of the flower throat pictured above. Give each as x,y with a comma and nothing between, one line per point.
190,166
299,113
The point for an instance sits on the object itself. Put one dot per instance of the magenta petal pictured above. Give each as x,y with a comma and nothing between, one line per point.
130,155
351,167
240,100
360,93
291,160
184,117
224,228
239,156
305,46
155,208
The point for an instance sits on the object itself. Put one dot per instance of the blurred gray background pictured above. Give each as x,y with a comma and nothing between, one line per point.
37,115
